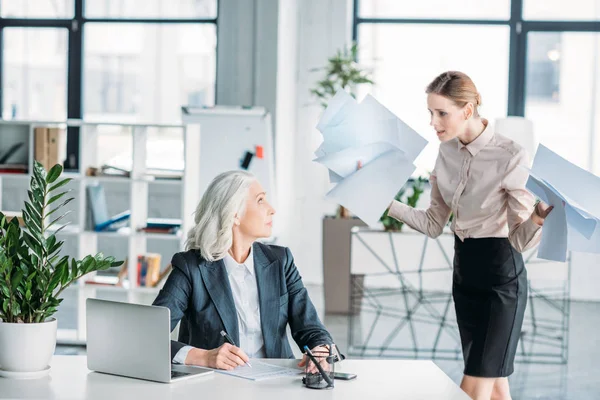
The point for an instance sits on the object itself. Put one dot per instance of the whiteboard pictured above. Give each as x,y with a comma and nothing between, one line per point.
226,134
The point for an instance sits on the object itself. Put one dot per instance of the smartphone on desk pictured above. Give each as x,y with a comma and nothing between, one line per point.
344,376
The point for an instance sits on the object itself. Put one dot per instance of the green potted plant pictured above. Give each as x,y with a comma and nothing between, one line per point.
342,72
33,275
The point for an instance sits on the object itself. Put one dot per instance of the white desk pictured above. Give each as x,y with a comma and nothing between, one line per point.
377,379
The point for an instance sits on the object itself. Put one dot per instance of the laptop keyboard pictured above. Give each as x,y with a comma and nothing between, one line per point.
177,374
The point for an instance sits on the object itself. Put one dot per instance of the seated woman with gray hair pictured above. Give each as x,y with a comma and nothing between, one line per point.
227,281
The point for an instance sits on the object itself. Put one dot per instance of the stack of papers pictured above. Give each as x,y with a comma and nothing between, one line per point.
573,224
370,133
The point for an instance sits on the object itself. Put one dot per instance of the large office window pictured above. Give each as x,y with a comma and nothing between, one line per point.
534,58
106,60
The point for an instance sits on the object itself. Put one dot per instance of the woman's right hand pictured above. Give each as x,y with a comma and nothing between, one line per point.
225,357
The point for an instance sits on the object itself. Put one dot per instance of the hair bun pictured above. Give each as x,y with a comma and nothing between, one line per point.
478,98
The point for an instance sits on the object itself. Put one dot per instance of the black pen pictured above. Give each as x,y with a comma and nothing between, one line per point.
313,359
230,341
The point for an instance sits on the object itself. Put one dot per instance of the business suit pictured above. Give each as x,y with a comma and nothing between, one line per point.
198,293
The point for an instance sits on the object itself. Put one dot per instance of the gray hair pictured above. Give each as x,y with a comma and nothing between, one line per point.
214,217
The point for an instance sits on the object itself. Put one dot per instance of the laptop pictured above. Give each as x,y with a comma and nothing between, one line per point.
133,340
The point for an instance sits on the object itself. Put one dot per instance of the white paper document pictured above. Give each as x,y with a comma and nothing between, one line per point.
573,224
260,371
385,145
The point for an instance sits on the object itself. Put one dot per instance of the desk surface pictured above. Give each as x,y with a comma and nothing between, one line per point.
377,379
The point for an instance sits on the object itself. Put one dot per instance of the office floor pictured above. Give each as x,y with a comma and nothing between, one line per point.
576,380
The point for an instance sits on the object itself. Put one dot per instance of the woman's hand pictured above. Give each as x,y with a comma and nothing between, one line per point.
226,357
319,353
540,212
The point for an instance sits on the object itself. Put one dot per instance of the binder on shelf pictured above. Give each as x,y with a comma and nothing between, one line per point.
98,210
163,223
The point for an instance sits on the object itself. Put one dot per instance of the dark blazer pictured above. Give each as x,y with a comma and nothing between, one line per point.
198,293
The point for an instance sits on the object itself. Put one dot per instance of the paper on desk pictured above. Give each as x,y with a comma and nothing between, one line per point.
259,371
370,133
574,223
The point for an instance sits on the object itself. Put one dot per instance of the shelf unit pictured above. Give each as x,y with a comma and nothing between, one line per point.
138,186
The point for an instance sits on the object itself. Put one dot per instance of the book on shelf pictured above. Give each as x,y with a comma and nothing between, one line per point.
163,223
166,231
160,173
46,144
148,269
13,169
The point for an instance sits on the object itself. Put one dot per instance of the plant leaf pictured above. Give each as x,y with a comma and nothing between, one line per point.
56,197
70,199
60,184
54,173
16,279
59,218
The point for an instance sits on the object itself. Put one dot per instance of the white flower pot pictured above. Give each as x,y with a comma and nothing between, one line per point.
27,347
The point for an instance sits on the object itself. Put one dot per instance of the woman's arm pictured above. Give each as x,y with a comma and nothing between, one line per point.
431,221
306,327
175,295
523,231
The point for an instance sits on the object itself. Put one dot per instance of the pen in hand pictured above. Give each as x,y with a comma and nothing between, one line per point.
230,341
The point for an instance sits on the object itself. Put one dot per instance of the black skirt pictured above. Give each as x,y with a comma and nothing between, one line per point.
490,294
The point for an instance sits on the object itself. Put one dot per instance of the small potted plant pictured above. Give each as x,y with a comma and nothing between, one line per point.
33,276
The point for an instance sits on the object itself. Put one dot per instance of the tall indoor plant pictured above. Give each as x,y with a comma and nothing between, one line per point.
33,274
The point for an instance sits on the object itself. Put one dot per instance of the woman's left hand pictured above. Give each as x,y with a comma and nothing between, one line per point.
540,212
314,350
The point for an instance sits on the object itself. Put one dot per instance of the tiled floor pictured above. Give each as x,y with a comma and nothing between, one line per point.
577,380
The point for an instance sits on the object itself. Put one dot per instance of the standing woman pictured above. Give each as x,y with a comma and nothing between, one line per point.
478,177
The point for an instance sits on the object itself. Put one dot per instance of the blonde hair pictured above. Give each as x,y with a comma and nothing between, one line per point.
458,87
214,217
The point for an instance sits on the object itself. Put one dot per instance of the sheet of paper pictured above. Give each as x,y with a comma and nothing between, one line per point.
577,218
553,245
403,136
368,191
579,243
576,215
386,146
581,187
260,371
337,108
345,162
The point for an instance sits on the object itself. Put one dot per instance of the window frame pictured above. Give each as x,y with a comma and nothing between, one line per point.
75,51
519,29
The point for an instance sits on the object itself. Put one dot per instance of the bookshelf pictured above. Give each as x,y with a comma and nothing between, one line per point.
132,192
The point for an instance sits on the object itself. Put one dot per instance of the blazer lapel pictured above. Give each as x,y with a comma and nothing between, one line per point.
267,280
217,284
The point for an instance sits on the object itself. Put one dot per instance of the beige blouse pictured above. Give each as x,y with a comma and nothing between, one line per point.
483,185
